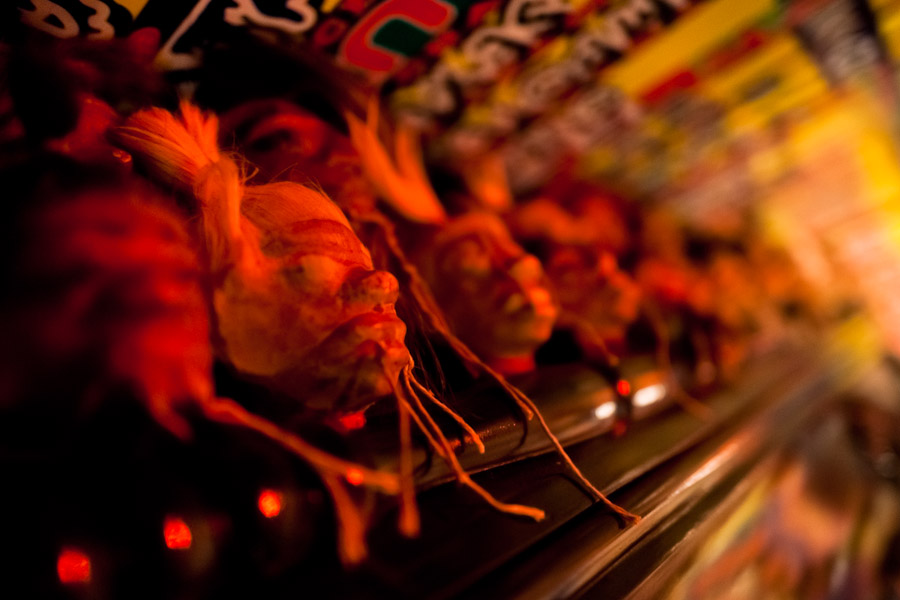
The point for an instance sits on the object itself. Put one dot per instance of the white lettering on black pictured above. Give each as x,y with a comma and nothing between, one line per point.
246,12
99,21
43,9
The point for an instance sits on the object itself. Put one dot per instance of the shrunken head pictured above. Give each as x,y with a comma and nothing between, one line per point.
494,294
297,302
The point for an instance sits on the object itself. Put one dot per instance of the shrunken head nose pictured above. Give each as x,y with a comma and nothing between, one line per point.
370,287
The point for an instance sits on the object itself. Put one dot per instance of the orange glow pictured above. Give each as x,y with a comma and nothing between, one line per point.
353,421
177,534
73,566
354,476
608,264
269,503
623,387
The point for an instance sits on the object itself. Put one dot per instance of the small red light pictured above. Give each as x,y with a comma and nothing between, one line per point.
269,503
354,476
177,534
353,421
623,387
73,566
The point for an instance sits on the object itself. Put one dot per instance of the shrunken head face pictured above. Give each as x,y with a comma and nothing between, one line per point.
326,331
494,294
591,286
297,303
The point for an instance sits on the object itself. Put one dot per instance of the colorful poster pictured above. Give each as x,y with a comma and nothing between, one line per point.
517,66
376,37
436,60
598,118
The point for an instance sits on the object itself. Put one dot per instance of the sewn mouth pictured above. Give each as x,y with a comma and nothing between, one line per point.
365,334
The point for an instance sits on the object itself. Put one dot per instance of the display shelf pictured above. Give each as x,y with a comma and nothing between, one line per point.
664,467
680,500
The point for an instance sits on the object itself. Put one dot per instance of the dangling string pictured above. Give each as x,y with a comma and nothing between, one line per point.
409,514
461,475
621,514
350,523
332,470
423,297
370,150
409,523
227,411
473,435
533,409
584,329
432,442
681,397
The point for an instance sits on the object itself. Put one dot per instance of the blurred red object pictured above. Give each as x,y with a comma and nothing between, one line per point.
177,534
73,566
269,503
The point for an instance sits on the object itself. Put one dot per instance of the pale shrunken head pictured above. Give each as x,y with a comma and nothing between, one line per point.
321,324
297,302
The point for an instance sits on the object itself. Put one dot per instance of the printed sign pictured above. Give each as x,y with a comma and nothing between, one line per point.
376,37
529,60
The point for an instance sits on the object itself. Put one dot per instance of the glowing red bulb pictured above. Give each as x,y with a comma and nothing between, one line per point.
269,503
73,566
353,421
623,387
177,534
354,476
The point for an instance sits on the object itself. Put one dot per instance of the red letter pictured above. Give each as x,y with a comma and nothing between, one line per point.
359,49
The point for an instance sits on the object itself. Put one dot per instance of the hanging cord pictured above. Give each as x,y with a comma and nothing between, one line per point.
351,526
333,471
415,403
422,295
229,412
409,522
588,333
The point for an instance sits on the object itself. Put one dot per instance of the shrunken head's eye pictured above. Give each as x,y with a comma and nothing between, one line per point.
316,274
470,259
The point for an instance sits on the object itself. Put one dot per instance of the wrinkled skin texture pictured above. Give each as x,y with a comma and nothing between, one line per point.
311,316
298,305
347,340
494,294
